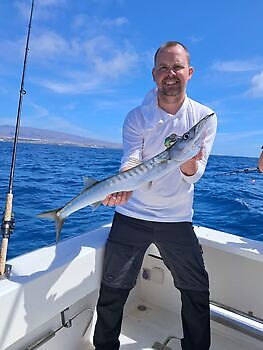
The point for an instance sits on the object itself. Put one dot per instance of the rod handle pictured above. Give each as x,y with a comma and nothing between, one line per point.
3,254
7,218
8,207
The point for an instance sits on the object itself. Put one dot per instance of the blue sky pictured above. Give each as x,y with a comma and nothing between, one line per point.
90,62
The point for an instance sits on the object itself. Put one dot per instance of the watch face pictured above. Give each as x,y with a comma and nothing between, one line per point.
170,140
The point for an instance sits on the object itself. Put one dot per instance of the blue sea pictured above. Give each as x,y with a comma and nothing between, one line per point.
47,176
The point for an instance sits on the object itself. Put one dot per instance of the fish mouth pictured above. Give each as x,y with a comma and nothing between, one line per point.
196,142
201,131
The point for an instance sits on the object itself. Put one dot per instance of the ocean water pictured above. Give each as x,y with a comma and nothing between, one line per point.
47,176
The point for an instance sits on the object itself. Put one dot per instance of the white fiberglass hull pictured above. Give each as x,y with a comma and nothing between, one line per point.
49,300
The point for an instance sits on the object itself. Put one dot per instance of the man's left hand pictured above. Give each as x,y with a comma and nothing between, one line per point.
190,167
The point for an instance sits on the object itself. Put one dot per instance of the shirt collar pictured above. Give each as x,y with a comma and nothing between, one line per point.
179,114
155,114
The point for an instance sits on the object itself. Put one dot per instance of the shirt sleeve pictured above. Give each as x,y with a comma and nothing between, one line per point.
132,140
207,147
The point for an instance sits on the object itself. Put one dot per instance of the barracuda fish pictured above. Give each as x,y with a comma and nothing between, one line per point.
182,149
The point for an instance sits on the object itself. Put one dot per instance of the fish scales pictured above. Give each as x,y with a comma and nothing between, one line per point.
184,148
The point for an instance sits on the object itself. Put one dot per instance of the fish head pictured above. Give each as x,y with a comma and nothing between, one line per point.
191,142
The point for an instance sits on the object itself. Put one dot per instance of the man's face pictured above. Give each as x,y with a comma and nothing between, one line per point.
172,71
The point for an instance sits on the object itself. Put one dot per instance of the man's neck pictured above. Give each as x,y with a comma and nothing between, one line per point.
170,104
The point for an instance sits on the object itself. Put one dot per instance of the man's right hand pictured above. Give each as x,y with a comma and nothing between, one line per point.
117,198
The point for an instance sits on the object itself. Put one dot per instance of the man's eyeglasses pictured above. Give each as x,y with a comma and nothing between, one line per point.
165,68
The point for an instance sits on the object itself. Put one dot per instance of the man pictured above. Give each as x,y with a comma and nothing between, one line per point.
260,161
163,214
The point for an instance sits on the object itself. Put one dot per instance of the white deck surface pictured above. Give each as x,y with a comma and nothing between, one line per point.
142,329
46,282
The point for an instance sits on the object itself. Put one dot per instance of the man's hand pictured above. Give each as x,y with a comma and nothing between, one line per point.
190,167
260,163
117,198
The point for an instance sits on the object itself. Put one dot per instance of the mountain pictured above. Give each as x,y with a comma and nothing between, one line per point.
34,135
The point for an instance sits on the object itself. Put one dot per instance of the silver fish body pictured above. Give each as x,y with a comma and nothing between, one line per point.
183,149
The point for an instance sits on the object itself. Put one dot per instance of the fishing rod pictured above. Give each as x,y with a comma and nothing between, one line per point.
259,168
238,171
8,222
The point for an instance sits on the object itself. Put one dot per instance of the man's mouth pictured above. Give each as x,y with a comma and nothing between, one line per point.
170,83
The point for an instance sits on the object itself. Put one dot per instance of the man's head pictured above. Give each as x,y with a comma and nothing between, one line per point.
172,69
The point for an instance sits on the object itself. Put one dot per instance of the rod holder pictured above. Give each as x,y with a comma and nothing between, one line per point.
7,272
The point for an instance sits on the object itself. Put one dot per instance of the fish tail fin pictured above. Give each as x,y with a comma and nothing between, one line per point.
53,215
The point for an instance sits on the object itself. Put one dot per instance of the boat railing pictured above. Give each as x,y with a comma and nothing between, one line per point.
237,320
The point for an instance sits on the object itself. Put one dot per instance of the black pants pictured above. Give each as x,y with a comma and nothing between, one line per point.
128,240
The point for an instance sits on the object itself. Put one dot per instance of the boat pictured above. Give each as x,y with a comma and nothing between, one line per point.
49,300
48,296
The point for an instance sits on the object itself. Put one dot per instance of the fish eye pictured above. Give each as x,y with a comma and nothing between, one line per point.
173,137
186,136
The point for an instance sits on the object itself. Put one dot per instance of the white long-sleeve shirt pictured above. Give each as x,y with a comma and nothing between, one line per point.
170,198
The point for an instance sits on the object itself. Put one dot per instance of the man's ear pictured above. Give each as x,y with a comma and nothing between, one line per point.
191,72
153,72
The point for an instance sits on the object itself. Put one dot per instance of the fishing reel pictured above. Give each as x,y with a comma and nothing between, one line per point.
7,226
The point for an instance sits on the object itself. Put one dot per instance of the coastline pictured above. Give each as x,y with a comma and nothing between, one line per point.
60,143
45,141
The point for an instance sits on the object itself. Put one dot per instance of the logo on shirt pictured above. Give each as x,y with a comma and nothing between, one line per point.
170,140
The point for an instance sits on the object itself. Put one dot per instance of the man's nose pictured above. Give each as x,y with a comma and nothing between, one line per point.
172,70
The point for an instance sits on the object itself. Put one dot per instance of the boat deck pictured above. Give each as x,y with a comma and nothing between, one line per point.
54,293
146,326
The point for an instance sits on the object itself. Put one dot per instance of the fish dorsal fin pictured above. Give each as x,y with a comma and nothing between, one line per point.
89,181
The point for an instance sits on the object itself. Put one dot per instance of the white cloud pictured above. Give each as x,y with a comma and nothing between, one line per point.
39,116
49,45
196,39
95,23
107,2
101,62
51,2
106,105
100,76
23,8
70,87
245,66
44,46
12,51
74,65
239,135
54,122
115,22
3,90
41,8
121,63
38,110
7,120
236,143
256,88
238,65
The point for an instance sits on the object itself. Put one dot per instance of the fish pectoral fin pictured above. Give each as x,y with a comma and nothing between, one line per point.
149,185
96,205
89,181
